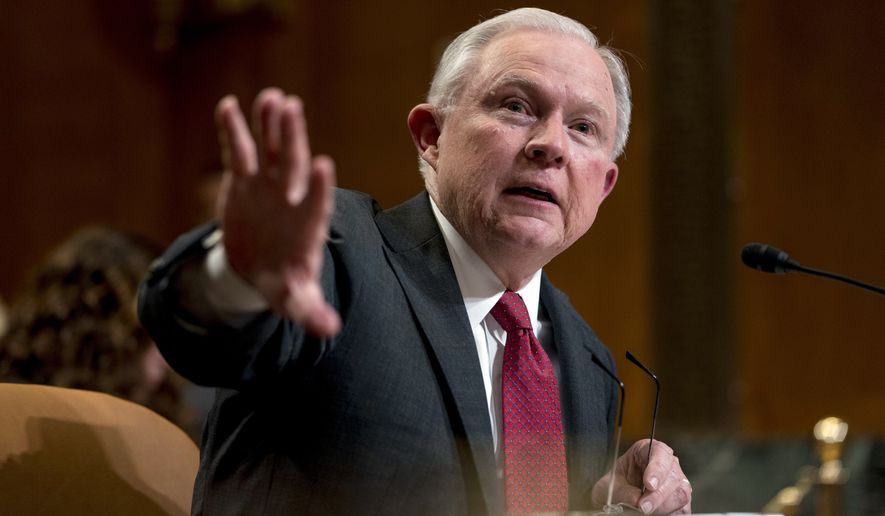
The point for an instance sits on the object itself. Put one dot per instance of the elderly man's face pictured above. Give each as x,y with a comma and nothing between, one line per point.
523,158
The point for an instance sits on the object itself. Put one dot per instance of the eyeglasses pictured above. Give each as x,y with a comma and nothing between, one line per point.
609,508
654,415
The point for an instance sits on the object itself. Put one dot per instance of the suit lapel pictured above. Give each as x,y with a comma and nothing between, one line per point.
585,393
417,252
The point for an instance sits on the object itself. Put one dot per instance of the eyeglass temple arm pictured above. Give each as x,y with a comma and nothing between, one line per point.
611,478
654,416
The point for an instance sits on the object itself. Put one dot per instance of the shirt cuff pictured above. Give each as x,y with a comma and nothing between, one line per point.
226,292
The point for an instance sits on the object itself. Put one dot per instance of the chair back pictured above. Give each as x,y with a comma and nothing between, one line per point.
76,452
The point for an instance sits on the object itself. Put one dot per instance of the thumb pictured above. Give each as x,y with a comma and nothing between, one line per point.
307,306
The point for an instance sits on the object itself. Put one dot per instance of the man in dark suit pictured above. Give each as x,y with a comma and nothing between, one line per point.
367,360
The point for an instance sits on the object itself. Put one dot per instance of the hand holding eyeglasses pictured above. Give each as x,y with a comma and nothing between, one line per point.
667,490
648,476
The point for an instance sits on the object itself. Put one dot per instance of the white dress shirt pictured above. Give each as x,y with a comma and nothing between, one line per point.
481,289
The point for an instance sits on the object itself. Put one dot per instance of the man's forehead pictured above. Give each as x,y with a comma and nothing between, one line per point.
583,96
524,58
535,47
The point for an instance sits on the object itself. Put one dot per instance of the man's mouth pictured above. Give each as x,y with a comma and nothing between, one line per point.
533,193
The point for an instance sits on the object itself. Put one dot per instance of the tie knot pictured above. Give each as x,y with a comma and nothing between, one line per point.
511,313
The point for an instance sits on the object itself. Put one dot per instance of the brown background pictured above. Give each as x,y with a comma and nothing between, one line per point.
754,121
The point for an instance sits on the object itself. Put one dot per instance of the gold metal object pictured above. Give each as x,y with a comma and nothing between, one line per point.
828,479
830,434
832,476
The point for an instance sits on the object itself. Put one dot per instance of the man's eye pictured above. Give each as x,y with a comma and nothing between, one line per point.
515,107
583,127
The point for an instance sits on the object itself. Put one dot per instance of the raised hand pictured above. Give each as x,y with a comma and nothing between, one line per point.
274,206
667,490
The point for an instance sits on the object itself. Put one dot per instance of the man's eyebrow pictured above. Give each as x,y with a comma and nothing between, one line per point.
589,105
517,80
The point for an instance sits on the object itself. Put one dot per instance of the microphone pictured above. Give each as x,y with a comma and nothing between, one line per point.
766,258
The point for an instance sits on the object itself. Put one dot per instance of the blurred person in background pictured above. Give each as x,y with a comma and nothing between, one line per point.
74,325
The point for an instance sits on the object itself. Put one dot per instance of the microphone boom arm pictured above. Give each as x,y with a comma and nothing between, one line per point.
766,258
843,279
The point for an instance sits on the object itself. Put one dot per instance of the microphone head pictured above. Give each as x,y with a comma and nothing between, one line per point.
766,258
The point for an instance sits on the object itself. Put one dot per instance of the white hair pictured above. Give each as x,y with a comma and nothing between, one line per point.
459,62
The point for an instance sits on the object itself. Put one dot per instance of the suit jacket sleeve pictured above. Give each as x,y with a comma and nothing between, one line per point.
216,354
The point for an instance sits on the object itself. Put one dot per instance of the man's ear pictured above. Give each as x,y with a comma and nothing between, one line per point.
611,177
425,130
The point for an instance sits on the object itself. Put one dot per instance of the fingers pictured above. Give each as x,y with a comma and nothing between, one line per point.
673,495
307,306
223,191
282,151
667,491
237,146
319,202
319,318
266,126
667,488
276,205
659,464
295,160
301,299
623,489
623,492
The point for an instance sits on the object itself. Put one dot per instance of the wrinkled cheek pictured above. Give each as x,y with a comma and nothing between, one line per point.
578,223
461,207
473,211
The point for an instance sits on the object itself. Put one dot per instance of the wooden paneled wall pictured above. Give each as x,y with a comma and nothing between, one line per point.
811,180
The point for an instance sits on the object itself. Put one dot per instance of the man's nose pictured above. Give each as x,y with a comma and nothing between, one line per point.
549,142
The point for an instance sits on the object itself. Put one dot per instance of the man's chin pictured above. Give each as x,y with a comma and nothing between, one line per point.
531,234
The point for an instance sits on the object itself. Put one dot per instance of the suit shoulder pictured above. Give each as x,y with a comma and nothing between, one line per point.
350,199
354,214
352,204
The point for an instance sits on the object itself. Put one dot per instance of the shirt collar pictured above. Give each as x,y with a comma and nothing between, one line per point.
480,287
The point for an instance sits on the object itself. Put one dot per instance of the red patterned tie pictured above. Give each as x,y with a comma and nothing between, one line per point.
535,478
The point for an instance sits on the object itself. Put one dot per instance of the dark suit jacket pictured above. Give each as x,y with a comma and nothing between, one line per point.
389,416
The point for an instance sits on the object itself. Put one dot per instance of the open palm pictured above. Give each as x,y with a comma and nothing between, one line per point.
275,204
